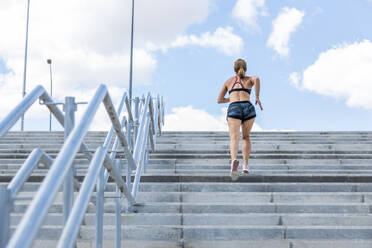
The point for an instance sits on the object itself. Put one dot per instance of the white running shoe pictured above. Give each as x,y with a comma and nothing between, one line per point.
234,170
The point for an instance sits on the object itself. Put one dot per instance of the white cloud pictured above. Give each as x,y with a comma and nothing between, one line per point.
190,119
294,79
88,41
163,21
283,26
343,71
223,39
247,11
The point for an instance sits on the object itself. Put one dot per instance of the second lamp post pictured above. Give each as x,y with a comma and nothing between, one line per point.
49,61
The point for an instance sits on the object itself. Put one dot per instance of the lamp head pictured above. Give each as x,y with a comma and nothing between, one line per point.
49,61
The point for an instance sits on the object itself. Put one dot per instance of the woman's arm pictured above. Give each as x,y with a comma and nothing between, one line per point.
221,97
256,82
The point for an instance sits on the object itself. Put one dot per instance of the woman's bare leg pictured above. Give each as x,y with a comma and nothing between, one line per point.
234,128
246,143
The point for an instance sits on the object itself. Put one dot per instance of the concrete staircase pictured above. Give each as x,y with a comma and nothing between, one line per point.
306,189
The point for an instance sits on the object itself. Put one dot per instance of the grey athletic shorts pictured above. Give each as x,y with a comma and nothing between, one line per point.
241,110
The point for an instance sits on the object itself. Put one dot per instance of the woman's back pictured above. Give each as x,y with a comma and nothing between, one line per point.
239,95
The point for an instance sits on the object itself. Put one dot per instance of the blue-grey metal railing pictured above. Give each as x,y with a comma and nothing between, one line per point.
37,156
134,144
9,193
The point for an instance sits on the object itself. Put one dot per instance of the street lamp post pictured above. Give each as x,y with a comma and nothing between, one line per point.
25,63
49,61
131,56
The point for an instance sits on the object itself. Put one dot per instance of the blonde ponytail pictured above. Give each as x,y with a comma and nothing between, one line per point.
241,73
240,67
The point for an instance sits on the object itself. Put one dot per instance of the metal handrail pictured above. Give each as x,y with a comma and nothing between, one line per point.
72,226
37,93
36,212
36,156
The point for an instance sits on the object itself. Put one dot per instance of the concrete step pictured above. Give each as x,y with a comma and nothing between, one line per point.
243,205
207,147
262,140
233,219
267,243
291,156
251,170
223,156
247,232
82,172
255,161
235,187
225,161
154,207
366,150
125,243
247,178
169,134
236,197
224,207
25,152
210,168
11,168
280,243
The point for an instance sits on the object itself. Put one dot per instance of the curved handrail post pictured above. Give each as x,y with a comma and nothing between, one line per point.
38,92
36,156
7,123
140,156
137,145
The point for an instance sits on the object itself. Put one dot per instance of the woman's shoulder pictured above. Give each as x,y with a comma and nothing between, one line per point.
229,80
232,78
253,79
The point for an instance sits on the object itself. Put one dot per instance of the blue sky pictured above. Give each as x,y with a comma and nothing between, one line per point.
189,75
194,75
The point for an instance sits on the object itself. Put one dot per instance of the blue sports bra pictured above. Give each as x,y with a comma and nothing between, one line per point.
239,89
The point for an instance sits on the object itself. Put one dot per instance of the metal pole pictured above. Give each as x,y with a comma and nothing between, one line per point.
5,206
131,56
49,61
128,129
129,178
146,157
68,186
118,210
99,209
25,63
136,117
